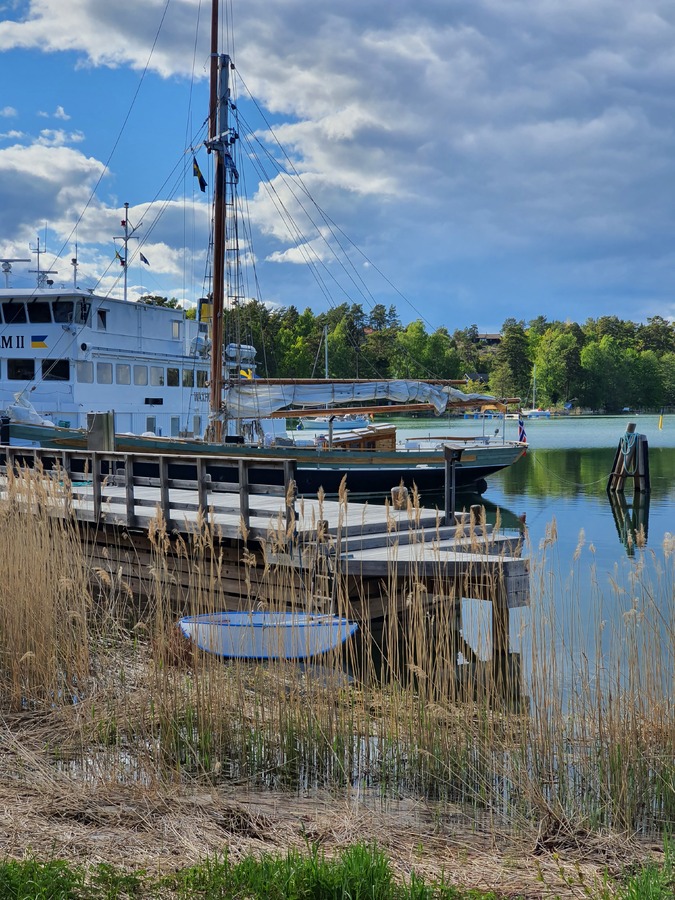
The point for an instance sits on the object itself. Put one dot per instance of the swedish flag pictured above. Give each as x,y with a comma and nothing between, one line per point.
197,172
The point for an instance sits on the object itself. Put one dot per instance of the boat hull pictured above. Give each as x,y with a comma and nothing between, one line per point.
367,473
266,635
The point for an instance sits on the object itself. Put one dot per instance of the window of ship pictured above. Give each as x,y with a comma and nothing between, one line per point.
83,311
104,373
85,371
188,378
197,426
56,369
102,318
39,312
172,378
123,373
15,313
175,329
20,369
175,426
202,378
140,374
63,311
157,376
151,424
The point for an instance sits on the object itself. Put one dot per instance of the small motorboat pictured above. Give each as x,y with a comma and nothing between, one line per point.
266,635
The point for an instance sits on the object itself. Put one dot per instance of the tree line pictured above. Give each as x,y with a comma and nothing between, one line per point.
606,364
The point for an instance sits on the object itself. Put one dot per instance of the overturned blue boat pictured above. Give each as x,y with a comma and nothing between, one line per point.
266,635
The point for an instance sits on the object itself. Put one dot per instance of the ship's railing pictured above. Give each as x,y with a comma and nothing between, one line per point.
239,495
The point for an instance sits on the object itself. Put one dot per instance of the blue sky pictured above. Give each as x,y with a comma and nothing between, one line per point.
487,159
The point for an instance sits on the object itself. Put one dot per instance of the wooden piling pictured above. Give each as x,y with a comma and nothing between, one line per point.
631,460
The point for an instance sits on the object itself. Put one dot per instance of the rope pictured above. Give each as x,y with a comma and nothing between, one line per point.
627,445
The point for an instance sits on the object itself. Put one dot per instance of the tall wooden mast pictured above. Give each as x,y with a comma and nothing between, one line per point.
218,139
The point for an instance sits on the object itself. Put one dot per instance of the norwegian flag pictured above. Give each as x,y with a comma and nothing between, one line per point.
522,437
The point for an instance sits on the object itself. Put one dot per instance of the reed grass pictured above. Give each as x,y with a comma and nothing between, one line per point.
578,741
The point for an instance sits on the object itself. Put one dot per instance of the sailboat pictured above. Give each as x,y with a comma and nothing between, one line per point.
535,412
103,363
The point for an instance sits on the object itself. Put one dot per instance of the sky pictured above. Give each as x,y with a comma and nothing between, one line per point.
467,161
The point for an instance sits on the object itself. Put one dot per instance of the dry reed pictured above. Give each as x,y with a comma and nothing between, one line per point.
576,744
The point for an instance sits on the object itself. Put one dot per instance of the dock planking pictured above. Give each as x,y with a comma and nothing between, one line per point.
365,545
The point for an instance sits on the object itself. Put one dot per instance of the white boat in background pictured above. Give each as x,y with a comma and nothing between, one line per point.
338,422
535,412
266,635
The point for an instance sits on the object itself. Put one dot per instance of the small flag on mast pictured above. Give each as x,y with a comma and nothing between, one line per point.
144,259
197,172
120,257
522,437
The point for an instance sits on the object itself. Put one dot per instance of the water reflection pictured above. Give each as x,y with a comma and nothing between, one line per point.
631,519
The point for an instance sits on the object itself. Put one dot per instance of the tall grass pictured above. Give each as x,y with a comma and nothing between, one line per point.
44,596
564,743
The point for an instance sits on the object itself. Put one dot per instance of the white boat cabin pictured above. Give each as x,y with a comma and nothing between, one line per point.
70,353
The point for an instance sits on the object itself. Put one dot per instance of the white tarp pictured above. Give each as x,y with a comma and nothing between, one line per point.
23,412
249,399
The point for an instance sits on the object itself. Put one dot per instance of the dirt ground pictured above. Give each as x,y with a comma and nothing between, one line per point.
160,829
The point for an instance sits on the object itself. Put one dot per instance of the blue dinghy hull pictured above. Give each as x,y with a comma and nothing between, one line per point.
266,635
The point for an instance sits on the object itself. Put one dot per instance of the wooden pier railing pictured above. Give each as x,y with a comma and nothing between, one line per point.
128,489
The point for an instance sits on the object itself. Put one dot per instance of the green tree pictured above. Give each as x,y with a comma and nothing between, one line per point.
558,364
513,351
657,335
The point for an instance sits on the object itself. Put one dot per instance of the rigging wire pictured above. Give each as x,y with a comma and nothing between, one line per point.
303,246
119,134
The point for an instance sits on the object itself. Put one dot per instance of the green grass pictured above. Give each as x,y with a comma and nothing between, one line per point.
361,872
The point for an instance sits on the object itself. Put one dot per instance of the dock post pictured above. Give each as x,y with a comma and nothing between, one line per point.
630,461
452,456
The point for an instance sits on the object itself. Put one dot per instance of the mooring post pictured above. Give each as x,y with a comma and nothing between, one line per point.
452,456
631,460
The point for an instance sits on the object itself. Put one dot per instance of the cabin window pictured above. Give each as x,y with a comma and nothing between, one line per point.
202,378
140,374
83,311
151,423
39,312
104,373
172,377
102,319
156,376
56,369
15,313
20,369
188,378
175,426
85,371
123,373
63,311
197,426
175,329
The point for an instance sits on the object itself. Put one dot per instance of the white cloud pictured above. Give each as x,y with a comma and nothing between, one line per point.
468,142
8,112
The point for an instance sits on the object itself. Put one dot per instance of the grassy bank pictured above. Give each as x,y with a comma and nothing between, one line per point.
360,872
97,696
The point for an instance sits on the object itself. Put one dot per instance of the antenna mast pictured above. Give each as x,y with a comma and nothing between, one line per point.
129,232
42,280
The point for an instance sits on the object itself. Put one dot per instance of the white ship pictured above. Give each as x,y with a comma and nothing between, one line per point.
67,352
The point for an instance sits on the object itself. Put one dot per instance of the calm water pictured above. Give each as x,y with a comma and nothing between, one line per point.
590,572
564,476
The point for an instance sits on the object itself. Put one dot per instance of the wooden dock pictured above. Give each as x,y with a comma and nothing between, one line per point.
263,546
